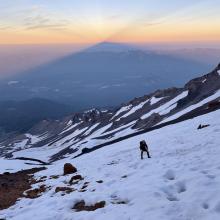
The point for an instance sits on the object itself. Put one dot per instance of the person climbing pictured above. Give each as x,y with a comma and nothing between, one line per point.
144,148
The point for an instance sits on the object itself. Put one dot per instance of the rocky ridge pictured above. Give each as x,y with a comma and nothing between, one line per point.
71,134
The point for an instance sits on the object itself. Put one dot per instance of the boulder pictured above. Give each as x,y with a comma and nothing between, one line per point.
69,168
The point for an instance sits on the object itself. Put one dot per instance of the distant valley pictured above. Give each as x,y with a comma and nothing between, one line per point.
104,75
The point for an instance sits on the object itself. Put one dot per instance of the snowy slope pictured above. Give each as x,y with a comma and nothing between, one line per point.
181,180
57,139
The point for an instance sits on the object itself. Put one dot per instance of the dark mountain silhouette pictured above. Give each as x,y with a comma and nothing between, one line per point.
106,74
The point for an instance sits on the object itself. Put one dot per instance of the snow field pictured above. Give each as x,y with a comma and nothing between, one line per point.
180,182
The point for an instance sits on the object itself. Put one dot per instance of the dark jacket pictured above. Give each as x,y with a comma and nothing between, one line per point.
143,146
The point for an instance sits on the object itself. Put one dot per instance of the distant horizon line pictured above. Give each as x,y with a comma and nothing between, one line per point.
156,45
117,42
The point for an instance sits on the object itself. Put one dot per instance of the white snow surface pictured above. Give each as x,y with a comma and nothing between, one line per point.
167,107
154,100
120,128
44,153
13,166
26,142
70,126
122,109
180,182
134,109
90,129
218,72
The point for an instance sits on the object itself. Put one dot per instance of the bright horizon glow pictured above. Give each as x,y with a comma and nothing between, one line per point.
90,22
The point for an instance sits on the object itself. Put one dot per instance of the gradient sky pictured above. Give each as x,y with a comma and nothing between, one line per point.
91,21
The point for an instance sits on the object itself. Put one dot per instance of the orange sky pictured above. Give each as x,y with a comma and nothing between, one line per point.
176,21
158,33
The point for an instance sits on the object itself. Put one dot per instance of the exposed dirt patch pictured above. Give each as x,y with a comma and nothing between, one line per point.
34,193
81,206
13,185
99,181
64,189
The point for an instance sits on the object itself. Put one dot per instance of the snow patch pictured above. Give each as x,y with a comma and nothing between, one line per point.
13,166
69,122
122,109
134,109
90,129
154,100
70,127
92,110
167,107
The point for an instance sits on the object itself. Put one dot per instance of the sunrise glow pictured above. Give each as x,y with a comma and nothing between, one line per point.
25,22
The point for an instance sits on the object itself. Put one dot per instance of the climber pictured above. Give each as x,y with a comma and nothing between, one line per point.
144,148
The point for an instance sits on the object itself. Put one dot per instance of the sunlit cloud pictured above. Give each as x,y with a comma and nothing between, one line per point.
41,22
